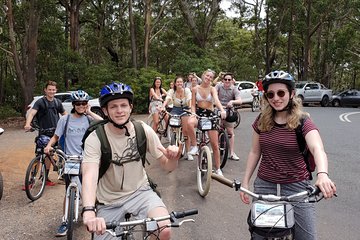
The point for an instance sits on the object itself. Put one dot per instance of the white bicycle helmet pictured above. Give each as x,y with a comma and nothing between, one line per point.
79,96
279,77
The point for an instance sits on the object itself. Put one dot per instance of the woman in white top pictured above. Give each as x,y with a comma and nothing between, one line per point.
181,99
156,98
204,96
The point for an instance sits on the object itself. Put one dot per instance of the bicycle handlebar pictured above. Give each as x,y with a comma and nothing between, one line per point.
172,216
312,194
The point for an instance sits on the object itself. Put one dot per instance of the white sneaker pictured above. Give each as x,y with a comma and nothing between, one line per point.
219,172
190,157
234,157
193,150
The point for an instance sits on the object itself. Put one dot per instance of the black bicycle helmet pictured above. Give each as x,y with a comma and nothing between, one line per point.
79,96
115,91
279,77
231,115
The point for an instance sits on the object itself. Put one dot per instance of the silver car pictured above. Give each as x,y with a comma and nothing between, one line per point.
246,89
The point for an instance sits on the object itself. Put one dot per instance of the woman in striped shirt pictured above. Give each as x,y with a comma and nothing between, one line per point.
282,169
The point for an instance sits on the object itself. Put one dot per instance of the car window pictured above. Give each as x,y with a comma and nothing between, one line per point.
246,85
299,85
312,86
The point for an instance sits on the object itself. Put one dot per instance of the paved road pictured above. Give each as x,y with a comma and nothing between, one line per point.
221,213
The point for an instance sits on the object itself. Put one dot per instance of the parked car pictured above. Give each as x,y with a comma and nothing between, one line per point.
65,98
313,92
246,88
350,97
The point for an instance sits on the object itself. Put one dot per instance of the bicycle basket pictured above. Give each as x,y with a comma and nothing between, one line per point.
204,124
41,141
272,215
175,121
73,165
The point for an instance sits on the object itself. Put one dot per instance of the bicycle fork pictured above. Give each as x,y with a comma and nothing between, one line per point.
73,184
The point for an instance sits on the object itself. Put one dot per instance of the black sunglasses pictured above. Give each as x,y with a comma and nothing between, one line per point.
271,94
80,103
227,79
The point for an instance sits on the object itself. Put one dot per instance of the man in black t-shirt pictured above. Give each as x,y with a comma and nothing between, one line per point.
46,110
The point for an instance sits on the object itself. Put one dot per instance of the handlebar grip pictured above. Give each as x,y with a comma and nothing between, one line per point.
111,225
185,213
222,180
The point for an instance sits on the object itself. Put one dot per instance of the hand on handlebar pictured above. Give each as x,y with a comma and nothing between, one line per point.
243,196
94,224
327,187
48,149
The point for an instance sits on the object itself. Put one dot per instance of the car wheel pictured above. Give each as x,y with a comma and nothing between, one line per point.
336,103
301,99
325,101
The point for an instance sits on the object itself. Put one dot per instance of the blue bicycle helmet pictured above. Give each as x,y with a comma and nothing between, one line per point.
79,96
115,91
42,141
279,77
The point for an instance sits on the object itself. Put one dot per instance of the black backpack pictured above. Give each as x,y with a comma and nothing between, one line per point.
35,120
106,153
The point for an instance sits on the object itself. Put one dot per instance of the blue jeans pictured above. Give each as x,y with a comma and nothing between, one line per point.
304,212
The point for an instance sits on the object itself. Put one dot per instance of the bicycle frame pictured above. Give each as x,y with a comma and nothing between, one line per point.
75,183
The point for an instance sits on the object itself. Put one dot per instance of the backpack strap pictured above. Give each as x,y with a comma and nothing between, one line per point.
302,145
141,141
106,153
64,133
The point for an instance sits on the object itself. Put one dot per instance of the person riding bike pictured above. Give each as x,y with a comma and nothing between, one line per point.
124,187
72,127
282,168
181,98
46,110
229,96
204,96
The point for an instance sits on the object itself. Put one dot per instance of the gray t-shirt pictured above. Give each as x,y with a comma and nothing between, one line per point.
225,95
74,133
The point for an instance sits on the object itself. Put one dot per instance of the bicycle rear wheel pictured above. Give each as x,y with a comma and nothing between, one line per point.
224,147
204,170
1,186
71,214
255,104
35,179
238,120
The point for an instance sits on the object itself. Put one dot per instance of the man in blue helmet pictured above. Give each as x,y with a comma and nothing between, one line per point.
124,187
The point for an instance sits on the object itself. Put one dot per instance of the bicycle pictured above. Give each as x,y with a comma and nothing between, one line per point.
71,168
1,177
176,134
162,129
255,105
130,230
272,217
35,178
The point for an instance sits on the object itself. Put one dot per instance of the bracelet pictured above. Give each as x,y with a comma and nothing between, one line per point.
88,208
322,172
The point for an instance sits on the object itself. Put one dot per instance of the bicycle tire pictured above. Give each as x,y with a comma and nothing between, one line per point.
173,138
71,214
238,120
180,139
35,179
1,186
255,104
204,170
223,147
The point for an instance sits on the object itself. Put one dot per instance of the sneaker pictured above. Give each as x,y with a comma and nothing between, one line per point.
219,172
190,157
234,157
50,183
62,230
193,150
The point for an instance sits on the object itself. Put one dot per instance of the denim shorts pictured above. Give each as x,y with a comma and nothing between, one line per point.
305,218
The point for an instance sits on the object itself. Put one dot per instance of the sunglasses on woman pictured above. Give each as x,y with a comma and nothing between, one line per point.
271,94
80,103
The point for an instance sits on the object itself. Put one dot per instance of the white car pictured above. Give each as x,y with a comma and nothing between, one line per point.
246,89
65,98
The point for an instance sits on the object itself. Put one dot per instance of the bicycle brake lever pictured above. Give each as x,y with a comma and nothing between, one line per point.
178,224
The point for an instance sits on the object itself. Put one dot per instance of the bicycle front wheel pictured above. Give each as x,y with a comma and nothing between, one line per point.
1,186
71,214
35,179
204,170
255,104
224,147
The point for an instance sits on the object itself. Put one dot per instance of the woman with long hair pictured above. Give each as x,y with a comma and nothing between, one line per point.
204,96
156,98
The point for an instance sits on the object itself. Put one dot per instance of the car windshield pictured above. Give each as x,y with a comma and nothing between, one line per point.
299,85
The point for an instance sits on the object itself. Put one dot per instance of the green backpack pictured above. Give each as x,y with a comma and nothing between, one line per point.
106,153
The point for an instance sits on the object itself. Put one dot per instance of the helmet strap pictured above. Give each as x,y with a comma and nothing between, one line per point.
121,126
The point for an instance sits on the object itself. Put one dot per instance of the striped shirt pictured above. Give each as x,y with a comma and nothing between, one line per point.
282,161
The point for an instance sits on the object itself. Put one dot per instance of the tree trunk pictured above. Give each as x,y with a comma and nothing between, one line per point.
307,41
290,39
132,36
147,31
25,66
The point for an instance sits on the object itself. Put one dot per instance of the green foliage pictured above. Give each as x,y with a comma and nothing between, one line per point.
8,111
